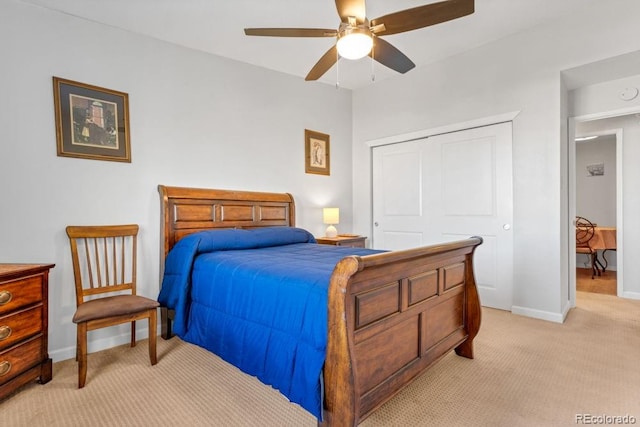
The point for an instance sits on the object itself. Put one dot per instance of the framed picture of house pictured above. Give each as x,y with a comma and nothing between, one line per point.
317,152
91,122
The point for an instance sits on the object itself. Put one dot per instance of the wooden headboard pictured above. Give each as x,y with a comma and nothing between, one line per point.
188,210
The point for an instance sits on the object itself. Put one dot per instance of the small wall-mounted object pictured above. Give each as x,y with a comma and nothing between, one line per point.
628,93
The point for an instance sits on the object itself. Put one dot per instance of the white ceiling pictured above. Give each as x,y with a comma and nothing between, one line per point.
216,26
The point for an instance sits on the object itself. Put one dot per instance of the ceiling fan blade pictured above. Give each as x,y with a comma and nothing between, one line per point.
386,54
323,65
422,16
290,32
347,8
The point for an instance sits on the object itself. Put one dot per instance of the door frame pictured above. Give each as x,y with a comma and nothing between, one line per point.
453,127
619,193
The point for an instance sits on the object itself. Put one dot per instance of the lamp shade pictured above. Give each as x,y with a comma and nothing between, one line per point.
331,216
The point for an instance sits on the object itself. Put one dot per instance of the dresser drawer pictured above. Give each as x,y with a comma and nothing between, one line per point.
20,325
20,358
20,293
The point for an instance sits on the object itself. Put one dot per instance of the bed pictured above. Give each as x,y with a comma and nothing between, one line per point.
389,315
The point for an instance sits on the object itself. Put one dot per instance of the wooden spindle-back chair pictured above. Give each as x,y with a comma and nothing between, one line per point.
104,268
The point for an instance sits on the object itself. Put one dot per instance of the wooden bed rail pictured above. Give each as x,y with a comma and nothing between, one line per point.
391,316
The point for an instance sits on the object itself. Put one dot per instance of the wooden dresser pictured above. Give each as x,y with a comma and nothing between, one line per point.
24,353
344,240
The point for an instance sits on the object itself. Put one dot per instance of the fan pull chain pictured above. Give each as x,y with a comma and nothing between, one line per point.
337,70
373,73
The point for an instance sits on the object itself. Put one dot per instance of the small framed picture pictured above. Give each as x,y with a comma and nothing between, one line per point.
91,122
316,152
596,169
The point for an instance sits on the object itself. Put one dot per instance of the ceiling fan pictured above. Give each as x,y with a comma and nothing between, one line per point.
357,36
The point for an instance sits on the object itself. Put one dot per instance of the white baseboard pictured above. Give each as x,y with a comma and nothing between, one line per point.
631,295
539,314
98,345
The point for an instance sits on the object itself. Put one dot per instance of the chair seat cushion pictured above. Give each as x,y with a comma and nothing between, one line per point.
116,305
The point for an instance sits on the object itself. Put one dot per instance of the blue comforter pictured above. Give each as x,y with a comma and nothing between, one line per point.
258,299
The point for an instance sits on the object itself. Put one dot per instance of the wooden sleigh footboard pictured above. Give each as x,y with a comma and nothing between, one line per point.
391,316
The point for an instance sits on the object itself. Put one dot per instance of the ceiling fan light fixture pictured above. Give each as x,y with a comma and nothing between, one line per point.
354,42
355,35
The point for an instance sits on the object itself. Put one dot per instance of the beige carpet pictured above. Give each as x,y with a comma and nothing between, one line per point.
526,372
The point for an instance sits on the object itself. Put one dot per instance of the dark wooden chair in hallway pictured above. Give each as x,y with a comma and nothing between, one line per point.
585,230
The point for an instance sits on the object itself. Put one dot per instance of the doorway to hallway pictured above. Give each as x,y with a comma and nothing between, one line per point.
596,181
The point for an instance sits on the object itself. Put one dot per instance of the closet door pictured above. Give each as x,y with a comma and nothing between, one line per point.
449,187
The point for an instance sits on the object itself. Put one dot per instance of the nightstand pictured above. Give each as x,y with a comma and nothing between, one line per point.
23,325
349,241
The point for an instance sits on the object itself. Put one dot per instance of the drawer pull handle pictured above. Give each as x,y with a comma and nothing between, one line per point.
5,367
5,297
5,332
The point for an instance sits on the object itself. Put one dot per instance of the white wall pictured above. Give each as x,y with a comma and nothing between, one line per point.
518,73
196,120
596,195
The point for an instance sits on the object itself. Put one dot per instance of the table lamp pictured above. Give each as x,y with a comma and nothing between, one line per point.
331,216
